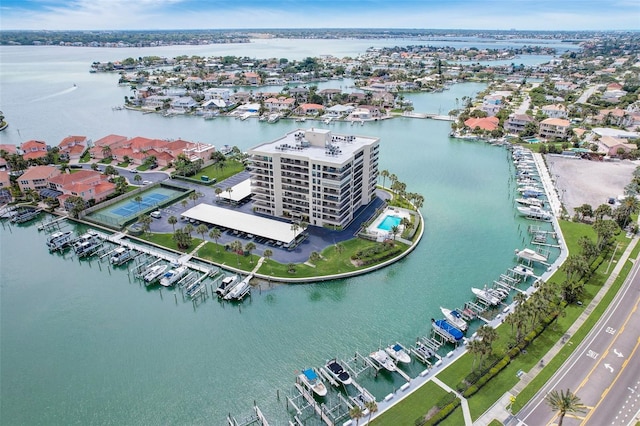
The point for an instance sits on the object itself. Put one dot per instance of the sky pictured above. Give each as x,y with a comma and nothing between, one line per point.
550,15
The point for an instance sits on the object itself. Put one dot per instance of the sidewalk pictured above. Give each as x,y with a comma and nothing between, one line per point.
499,410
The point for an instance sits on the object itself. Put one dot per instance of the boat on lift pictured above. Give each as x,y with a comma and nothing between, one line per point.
59,240
455,318
531,255
485,296
312,381
153,273
338,372
383,360
171,277
443,326
535,212
398,353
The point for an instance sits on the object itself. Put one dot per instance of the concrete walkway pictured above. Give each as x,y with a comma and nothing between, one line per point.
500,410
465,404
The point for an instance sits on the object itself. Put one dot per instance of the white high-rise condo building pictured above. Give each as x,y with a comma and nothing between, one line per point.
314,176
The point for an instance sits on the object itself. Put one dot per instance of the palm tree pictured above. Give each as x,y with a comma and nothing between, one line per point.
229,191
339,248
563,403
477,348
249,247
295,227
202,230
236,246
172,221
218,191
184,203
314,257
267,254
576,266
106,151
188,228
137,179
194,197
395,229
138,200
356,413
488,334
215,234
372,407
393,178
385,175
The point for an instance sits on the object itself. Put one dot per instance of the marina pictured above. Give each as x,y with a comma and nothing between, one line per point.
103,295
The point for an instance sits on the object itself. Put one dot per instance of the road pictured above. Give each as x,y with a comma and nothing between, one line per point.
129,175
604,371
587,94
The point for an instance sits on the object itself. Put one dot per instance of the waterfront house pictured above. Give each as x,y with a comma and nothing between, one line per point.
360,114
106,145
555,111
610,117
516,123
484,123
4,179
156,102
339,111
300,94
37,177
279,104
329,94
314,175
183,104
554,128
241,97
73,147
9,149
491,104
86,184
252,78
310,109
217,93
33,149
614,147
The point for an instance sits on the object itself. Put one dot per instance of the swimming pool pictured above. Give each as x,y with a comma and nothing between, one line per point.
389,222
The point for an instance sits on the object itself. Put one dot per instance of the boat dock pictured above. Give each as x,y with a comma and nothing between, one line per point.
119,239
52,224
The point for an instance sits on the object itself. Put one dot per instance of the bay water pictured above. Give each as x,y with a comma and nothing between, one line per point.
84,344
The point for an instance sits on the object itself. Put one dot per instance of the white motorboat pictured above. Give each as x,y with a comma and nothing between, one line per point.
239,290
454,318
59,240
121,255
531,255
398,353
530,189
523,271
226,285
273,118
338,372
485,296
311,380
88,237
530,202
450,332
535,212
383,360
170,278
153,273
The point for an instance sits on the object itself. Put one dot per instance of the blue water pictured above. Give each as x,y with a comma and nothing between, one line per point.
389,222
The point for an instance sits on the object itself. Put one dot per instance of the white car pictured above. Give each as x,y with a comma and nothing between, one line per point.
146,182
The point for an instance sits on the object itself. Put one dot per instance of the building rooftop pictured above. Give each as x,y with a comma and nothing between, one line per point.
319,145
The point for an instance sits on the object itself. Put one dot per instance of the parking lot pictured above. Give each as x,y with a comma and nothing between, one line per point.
589,182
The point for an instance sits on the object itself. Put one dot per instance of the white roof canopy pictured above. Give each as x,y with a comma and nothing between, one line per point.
255,225
238,192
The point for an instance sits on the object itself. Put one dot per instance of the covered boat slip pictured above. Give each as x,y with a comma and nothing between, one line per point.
244,222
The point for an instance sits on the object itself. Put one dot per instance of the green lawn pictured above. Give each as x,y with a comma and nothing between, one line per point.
143,167
217,253
86,156
166,240
332,263
412,407
231,167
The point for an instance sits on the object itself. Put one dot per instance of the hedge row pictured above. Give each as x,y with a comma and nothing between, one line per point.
513,352
380,258
440,415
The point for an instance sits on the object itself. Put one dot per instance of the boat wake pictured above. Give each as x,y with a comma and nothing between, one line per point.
53,95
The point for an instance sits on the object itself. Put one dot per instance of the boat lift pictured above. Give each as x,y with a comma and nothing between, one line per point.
257,418
51,225
442,334
310,402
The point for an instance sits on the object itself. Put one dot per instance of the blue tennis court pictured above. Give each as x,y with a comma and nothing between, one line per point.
129,209
133,207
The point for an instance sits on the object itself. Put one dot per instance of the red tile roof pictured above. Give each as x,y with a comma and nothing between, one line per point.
109,140
485,123
39,172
